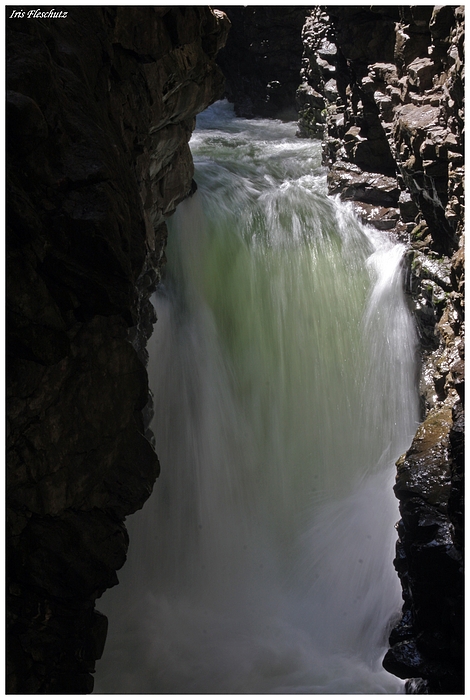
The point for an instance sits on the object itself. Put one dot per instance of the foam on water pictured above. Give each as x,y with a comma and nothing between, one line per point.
283,369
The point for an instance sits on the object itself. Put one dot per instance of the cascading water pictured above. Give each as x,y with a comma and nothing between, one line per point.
283,370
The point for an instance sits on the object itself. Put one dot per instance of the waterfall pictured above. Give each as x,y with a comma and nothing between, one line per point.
283,369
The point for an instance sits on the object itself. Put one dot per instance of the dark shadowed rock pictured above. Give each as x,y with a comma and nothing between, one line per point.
100,108
261,59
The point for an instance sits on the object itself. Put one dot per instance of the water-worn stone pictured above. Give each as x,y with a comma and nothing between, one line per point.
100,108
425,470
429,561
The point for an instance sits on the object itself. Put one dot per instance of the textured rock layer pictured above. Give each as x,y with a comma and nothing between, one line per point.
383,86
100,108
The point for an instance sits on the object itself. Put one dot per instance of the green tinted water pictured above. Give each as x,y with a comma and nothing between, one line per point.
283,368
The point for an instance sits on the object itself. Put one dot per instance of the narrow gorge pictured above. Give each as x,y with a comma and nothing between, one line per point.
309,292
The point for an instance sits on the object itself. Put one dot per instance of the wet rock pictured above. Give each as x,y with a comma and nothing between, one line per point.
427,644
405,660
425,470
354,184
381,218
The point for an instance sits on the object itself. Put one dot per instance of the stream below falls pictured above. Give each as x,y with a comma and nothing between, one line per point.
283,366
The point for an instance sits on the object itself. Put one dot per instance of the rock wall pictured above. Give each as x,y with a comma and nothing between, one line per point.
383,86
262,58
100,107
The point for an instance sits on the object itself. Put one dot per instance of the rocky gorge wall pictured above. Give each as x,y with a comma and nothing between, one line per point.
101,104
384,88
262,58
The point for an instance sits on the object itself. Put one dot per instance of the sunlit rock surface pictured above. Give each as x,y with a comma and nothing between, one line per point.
383,86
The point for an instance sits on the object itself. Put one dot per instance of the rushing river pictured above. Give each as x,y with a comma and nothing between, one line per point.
283,368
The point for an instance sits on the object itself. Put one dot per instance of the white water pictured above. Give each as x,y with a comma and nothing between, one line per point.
283,367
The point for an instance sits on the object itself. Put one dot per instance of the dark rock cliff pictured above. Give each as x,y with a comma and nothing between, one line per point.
100,108
262,58
383,86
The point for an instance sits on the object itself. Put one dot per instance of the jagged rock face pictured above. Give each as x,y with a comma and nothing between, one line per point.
261,59
384,87
100,108
429,639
